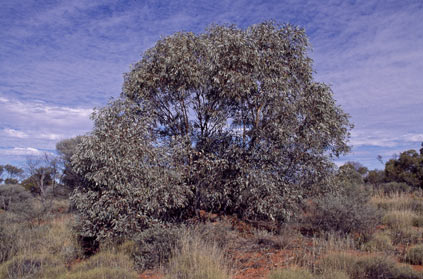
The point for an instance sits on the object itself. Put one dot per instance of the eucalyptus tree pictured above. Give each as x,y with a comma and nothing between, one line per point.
259,131
229,121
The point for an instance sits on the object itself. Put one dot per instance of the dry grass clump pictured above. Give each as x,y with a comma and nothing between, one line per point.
152,247
28,266
379,242
196,258
290,273
104,265
398,201
399,219
367,267
333,274
414,255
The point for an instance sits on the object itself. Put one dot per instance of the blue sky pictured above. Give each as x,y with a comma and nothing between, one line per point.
60,59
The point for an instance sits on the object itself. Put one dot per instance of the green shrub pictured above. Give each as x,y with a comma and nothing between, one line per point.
345,212
290,274
415,255
153,246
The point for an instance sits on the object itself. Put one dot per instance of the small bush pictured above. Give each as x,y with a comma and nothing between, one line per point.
197,259
153,246
379,242
415,255
347,212
290,274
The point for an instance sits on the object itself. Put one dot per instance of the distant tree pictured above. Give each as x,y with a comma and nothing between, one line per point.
1,172
375,177
245,129
13,174
43,173
407,167
352,173
66,149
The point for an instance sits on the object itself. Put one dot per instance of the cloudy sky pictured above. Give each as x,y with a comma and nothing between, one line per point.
60,59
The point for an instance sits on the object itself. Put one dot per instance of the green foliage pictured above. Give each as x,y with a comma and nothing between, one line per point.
375,177
42,175
132,185
290,274
66,149
13,174
229,121
351,173
415,255
408,168
256,129
347,211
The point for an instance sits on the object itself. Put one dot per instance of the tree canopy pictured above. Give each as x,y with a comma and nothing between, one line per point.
408,168
231,118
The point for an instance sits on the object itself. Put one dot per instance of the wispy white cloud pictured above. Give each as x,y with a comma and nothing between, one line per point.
18,151
15,133
61,58
29,125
